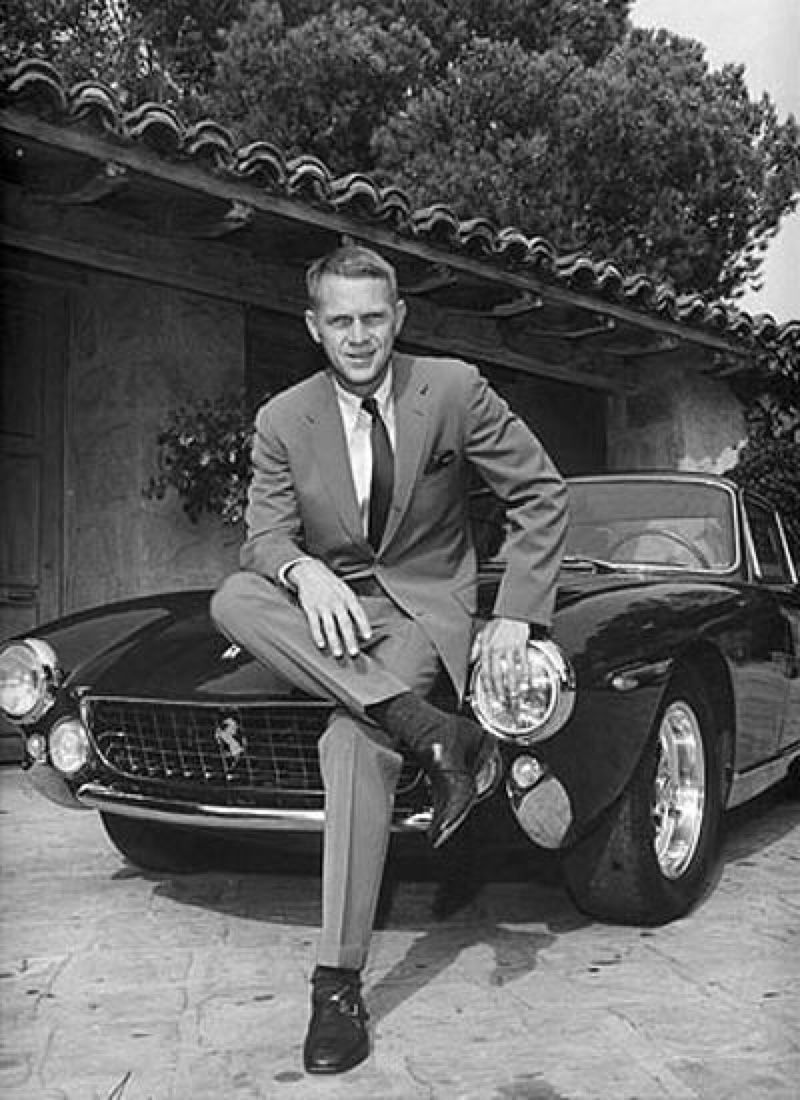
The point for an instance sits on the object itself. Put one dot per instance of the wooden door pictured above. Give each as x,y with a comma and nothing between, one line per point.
33,349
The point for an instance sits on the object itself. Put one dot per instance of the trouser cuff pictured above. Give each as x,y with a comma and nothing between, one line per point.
343,957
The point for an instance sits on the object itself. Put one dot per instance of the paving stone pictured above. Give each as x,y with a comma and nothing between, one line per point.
116,983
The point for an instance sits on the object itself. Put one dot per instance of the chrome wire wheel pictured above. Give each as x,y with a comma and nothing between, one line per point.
679,791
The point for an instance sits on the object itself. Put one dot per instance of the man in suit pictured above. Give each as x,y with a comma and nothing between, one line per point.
358,583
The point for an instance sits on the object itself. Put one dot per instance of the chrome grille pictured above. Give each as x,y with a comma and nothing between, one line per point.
256,748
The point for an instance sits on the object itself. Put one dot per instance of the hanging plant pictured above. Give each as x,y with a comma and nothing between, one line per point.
204,455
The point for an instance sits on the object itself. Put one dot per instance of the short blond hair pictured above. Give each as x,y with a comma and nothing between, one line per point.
354,262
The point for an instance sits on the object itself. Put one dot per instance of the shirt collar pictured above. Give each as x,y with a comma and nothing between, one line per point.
352,401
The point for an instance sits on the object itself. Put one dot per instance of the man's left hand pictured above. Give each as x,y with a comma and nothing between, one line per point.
502,648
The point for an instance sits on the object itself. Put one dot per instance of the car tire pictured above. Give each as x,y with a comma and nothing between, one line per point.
652,855
155,847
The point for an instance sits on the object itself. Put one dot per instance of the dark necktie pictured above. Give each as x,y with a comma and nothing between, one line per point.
382,484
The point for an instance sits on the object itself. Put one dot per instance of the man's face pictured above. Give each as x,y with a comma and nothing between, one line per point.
356,323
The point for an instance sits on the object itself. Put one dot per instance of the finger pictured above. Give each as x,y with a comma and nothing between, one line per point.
521,669
509,675
512,674
315,627
345,624
485,640
331,632
486,664
497,673
363,625
516,672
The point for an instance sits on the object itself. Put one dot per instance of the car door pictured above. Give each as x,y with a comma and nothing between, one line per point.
775,571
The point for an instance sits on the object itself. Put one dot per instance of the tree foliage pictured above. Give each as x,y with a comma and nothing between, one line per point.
161,50
556,116
770,465
769,461
647,157
552,115
321,87
84,38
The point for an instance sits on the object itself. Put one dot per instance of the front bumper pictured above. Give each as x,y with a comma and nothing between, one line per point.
95,796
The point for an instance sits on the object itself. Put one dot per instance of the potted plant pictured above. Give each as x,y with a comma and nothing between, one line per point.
204,456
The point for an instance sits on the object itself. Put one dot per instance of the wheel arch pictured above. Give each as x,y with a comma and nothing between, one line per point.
705,666
615,871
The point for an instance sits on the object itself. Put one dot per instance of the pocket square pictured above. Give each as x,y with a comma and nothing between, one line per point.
438,461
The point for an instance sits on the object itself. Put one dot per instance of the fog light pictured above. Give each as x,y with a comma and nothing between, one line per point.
69,746
36,747
526,771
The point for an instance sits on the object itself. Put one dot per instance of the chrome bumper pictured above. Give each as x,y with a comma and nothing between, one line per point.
94,796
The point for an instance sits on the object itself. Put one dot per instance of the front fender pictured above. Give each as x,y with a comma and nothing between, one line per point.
595,754
625,644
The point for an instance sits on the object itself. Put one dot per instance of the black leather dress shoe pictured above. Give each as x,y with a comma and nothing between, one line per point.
452,768
337,1036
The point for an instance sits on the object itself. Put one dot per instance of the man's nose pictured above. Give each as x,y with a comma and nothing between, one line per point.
358,331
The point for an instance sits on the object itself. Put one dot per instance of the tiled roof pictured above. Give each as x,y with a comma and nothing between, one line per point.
36,86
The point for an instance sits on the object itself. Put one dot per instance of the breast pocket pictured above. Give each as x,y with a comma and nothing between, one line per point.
439,461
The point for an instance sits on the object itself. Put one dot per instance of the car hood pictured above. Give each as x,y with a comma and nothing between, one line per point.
158,647
167,647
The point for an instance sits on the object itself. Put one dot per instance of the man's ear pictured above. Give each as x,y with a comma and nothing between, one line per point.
311,325
400,313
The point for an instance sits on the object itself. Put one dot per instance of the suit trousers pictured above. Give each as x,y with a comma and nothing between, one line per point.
360,765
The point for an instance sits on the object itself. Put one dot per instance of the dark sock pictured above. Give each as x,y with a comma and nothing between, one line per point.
330,978
409,718
416,723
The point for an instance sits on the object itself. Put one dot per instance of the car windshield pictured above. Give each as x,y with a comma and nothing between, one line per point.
679,524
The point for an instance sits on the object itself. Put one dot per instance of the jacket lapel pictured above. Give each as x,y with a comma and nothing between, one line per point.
411,409
326,434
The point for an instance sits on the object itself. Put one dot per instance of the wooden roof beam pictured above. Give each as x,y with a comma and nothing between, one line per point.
193,178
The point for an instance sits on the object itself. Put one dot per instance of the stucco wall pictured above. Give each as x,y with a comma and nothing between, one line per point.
677,419
137,351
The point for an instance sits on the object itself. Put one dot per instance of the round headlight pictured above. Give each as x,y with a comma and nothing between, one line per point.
69,746
540,709
28,679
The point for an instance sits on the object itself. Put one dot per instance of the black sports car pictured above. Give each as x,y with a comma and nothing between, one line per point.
669,692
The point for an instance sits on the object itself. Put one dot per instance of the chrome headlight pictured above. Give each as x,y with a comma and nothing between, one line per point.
536,712
29,677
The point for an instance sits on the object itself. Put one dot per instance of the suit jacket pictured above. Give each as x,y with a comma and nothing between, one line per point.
447,419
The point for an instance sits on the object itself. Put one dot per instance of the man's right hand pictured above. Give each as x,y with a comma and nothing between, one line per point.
335,615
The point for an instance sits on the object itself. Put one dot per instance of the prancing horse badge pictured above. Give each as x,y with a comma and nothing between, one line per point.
231,740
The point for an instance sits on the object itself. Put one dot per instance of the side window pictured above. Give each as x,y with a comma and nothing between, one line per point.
770,553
